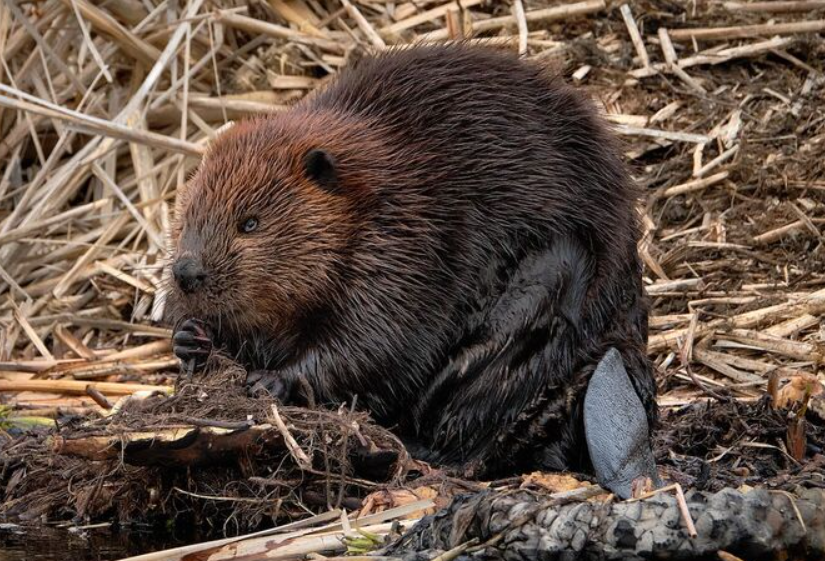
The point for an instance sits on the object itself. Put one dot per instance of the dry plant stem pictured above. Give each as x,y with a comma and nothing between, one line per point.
672,61
745,31
74,273
427,16
680,498
455,552
106,24
543,15
128,279
695,185
156,238
455,25
777,234
717,161
95,125
521,21
273,30
72,387
303,537
719,57
179,553
813,303
779,6
76,345
364,25
98,397
45,47
688,519
295,450
635,36
665,135
87,38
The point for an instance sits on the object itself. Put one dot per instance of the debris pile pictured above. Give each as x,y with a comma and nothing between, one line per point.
208,452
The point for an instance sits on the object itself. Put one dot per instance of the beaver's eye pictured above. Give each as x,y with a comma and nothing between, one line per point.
249,225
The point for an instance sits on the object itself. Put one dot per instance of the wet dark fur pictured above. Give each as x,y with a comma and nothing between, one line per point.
474,263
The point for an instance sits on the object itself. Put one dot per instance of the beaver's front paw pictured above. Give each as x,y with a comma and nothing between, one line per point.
280,386
192,344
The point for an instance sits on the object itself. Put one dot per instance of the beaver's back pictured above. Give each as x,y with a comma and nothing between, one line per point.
497,159
501,140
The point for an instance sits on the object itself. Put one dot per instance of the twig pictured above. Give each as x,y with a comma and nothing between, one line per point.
521,21
295,450
635,36
683,508
98,397
695,185
455,552
717,161
364,25
666,135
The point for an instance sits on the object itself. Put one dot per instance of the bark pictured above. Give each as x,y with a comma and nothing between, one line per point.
185,446
520,526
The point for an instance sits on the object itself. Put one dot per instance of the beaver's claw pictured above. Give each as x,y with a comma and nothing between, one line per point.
192,344
279,386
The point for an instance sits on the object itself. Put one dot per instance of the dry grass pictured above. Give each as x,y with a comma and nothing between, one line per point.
105,107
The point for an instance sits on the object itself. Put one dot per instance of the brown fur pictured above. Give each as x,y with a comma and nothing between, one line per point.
475,260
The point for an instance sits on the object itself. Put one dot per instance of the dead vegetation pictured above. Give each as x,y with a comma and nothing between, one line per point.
208,453
106,106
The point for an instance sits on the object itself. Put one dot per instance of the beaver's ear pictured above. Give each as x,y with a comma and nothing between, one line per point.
321,168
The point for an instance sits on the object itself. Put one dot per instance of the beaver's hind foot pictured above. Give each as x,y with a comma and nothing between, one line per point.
283,387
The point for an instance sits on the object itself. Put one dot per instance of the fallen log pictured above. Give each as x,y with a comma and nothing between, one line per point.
758,524
176,447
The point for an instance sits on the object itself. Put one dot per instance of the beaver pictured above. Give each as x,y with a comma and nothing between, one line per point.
447,234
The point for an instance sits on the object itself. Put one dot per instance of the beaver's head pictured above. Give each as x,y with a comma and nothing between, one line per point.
263,229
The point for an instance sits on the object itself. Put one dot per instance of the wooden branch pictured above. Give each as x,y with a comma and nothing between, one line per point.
180,447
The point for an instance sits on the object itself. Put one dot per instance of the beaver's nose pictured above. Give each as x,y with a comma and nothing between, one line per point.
189,274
